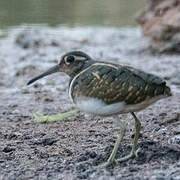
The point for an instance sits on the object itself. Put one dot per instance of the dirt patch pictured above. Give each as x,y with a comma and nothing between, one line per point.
71,148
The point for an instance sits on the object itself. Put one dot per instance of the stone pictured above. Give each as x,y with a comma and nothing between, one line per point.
161,24
175,139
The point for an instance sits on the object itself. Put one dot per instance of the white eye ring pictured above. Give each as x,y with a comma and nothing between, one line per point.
69,59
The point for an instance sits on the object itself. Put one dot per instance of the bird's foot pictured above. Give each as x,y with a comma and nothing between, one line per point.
111,163
105,165
133,154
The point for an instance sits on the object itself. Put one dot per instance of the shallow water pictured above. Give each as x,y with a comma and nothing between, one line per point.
69,12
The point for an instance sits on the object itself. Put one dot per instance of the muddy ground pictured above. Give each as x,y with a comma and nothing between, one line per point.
71,148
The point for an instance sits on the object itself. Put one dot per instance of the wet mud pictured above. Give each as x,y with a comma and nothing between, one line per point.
70,149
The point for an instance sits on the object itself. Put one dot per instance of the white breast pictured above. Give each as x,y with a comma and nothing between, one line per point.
98,107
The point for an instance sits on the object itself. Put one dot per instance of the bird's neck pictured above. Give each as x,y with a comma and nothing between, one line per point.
80,67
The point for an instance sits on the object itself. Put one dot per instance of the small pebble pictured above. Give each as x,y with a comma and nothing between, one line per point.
162,130
48,140
175,139
82,158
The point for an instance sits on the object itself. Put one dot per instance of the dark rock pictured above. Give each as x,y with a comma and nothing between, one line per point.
48,140
44,155
92,154
133,169
8,149
82,158
175,139
82,167
45,140
86,156
68,152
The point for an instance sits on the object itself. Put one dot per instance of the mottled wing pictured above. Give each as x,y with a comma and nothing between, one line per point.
114,83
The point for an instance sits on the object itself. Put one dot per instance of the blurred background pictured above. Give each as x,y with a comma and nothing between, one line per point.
34,34
72,13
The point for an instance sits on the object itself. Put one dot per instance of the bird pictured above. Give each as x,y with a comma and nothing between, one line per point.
108,89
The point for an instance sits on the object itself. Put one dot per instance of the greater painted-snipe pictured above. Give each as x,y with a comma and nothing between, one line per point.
108,89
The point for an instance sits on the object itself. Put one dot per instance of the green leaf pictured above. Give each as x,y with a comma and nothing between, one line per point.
55,117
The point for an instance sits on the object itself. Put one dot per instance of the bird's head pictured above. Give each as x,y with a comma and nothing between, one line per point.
71,63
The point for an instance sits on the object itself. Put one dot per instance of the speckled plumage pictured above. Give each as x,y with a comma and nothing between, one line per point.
104,89
109,83
116,84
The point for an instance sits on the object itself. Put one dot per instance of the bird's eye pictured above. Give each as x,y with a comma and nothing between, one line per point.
70,59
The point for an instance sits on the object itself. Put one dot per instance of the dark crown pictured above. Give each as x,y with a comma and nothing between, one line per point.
77,53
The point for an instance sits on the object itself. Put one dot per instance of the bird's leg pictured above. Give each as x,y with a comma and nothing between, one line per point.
136,137
121,134
134,152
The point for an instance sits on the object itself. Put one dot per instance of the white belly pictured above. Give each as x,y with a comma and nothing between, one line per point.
98,107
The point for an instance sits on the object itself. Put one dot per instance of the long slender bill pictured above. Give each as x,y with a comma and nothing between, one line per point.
52,70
